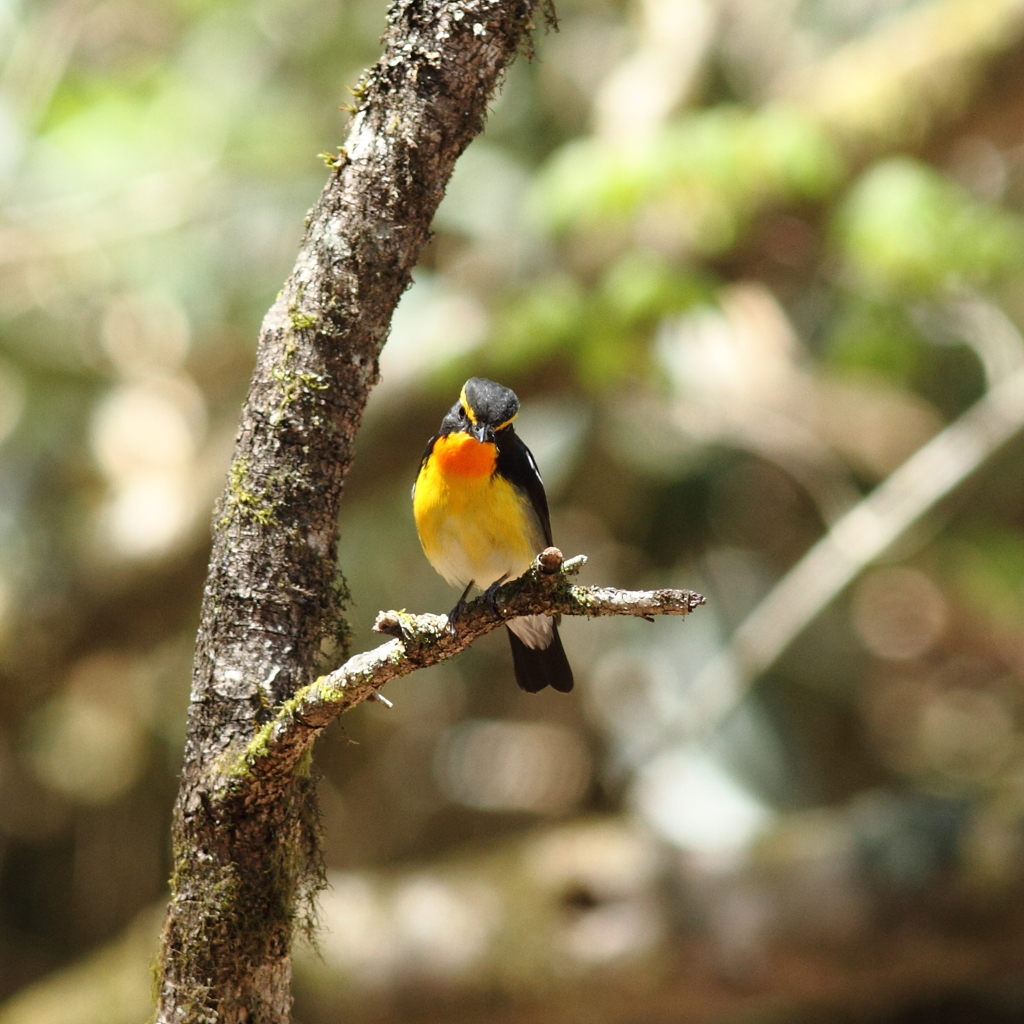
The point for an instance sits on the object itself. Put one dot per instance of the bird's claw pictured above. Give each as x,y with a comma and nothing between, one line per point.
491,594
459,610
453,616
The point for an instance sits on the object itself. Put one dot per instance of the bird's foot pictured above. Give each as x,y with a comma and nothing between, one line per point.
491,593
459,610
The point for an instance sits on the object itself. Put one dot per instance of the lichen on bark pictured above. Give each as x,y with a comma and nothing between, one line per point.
245,845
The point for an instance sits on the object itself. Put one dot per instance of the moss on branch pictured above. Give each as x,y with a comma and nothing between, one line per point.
428,639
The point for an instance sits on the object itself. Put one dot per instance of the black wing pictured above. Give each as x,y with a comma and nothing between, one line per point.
517,465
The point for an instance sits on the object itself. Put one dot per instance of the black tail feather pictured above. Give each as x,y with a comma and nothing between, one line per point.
536,668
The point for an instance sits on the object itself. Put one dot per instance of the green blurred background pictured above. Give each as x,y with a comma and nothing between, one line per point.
741,260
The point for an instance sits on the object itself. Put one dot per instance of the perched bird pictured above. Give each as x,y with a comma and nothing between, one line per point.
482,518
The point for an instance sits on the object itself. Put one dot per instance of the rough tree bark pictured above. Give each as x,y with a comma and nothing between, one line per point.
246,862
422,640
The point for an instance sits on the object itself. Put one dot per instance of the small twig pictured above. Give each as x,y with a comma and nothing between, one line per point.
854,542
427,639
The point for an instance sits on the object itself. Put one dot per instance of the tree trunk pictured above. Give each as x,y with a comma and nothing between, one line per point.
245,842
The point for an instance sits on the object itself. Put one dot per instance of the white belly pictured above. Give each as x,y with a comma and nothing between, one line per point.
467,548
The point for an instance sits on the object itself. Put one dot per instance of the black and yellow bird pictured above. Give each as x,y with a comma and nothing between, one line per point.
482,517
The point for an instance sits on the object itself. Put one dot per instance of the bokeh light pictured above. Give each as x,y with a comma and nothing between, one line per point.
743,261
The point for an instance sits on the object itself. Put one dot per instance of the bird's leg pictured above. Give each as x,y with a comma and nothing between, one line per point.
460,607
491,593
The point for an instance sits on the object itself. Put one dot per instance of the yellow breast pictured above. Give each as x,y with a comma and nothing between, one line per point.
473,524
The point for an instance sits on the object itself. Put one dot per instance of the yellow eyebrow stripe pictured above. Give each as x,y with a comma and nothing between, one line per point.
472,417
466,406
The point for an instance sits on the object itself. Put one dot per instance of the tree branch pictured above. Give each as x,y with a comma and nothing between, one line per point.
889,88
859,537
246,864
424,640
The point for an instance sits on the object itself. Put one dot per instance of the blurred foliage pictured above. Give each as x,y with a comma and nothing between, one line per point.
709,172
740,259
906,230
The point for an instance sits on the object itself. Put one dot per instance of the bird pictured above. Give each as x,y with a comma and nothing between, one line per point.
482,517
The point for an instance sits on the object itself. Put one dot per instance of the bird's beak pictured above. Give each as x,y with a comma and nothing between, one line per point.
480,431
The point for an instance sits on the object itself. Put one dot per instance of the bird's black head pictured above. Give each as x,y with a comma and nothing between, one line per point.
482,410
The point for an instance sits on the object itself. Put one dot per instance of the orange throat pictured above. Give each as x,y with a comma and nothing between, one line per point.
462,455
